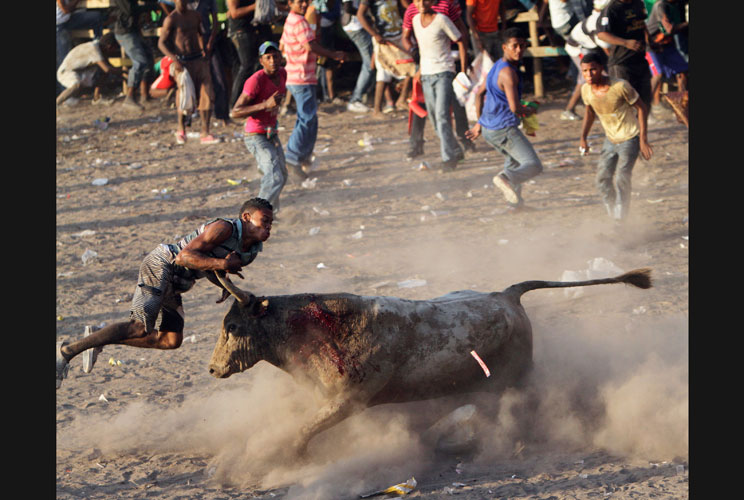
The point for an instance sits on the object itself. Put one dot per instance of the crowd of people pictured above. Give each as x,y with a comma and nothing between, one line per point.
242,73
621,50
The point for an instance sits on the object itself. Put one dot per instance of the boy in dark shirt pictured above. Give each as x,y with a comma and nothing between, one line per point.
623,25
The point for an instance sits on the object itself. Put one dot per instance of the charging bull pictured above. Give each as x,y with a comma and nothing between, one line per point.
362,351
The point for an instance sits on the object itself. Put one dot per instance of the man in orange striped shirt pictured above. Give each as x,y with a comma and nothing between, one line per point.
299,46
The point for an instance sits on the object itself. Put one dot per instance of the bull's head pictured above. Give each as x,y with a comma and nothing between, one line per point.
237,348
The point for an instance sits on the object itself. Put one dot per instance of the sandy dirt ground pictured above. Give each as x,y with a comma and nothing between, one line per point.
605,414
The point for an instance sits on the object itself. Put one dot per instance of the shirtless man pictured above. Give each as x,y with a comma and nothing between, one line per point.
181,40
156,315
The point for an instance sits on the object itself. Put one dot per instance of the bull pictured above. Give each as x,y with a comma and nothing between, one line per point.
362,351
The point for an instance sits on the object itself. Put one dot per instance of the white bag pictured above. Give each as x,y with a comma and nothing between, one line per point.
461,85
478,72
265,12
187,93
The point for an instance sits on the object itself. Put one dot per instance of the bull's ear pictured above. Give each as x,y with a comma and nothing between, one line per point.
260,306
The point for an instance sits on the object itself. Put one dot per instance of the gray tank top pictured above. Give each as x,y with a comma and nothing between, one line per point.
184,278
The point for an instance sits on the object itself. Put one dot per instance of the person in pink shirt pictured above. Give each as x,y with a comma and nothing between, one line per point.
259,104
299,46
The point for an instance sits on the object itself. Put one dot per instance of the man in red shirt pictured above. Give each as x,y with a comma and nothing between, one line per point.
483,18
259,104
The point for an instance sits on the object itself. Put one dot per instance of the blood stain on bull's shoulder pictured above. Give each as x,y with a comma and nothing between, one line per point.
320,332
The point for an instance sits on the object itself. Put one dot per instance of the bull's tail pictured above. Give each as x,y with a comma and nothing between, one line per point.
637,277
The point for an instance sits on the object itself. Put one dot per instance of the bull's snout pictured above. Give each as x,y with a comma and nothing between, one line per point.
219,371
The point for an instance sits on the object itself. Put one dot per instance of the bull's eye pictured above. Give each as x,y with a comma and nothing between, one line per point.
231,328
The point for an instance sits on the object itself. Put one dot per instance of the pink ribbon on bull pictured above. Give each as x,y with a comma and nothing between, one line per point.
481,363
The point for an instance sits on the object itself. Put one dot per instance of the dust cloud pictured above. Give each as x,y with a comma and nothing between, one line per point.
603,378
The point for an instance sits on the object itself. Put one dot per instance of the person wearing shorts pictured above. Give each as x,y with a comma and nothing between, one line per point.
665,24
82,66
156,318
181,40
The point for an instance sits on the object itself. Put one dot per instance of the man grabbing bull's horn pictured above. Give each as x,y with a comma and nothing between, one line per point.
218,246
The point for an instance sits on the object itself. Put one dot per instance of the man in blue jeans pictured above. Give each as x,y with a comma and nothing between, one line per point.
612,100
69,18
499,119
127,34
363,42
301,49
259,105
245,36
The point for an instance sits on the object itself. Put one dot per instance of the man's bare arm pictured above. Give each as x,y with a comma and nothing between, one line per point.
243,107
646,150
213,33
164,42
405,39
237,12
616,40
463,31
474,132
586,126
367,25
195,255
322,51
508,82
469,16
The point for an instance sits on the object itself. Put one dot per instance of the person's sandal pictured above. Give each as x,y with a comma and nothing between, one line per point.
209,139
180,137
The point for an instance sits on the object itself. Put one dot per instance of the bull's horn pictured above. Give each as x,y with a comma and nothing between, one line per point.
245,298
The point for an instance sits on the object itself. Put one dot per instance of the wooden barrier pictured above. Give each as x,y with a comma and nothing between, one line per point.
535,51
123,61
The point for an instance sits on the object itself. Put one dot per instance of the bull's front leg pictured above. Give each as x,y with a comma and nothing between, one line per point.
329,415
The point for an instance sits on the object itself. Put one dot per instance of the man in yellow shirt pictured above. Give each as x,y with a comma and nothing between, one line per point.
613,100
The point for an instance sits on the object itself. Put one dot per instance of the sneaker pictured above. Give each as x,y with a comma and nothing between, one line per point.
90,355
506,188
357,107
448,166
296,172
62,365
569,115
389,108
337,101
468,145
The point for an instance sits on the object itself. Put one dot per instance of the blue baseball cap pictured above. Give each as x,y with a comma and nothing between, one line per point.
266,46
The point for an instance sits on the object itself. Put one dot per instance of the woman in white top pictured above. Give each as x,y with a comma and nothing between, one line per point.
435,34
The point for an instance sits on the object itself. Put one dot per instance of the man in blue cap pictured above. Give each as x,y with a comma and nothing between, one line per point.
259,104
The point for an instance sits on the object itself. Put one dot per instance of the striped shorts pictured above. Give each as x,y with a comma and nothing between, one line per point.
155,303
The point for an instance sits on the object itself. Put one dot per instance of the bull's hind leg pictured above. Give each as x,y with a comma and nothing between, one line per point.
329,415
